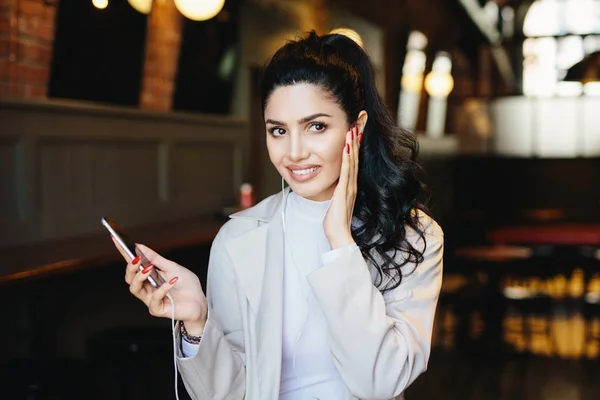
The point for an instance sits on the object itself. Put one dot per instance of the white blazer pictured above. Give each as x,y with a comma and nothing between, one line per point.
380,343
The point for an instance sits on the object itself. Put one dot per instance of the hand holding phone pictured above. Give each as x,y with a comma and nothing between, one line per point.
184,286
129,247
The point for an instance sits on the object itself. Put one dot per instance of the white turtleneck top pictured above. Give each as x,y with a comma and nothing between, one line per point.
307,369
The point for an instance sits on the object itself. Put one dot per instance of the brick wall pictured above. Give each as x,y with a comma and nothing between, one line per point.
161,56
26,38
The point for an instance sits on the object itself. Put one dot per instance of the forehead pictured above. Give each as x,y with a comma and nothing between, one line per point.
294,102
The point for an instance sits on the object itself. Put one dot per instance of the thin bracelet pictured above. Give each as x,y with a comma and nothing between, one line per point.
186,336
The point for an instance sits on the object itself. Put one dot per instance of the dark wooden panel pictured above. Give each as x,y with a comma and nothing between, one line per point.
8,189
79,180
7,177
77,162
202,176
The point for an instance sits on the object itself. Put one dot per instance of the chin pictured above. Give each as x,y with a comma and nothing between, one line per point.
303,191
310,190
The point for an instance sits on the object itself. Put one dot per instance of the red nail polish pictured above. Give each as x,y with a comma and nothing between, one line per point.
360,138
136,260
172,281
347,148
147,269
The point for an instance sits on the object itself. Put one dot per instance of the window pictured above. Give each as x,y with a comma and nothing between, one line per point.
560,33
208,62
98,54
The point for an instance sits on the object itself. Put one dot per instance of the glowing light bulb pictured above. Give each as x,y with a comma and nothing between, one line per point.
100,4
439,82
141,6
199,10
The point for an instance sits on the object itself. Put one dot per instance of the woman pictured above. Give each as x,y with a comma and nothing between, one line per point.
327,290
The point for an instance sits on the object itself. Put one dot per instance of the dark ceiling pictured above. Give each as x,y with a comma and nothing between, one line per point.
444,22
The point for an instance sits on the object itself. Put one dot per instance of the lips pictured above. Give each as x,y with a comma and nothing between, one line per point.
303,173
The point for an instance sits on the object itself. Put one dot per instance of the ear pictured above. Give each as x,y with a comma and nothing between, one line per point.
361,121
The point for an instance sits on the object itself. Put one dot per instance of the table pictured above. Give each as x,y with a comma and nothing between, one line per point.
552,234
34,264
45,259
564,240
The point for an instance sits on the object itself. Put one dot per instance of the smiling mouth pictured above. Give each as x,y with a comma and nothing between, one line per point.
303,172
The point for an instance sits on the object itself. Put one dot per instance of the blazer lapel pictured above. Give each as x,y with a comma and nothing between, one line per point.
248,251
248,256
258,258
269,327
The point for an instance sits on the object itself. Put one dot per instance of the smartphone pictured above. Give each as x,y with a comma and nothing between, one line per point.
128,245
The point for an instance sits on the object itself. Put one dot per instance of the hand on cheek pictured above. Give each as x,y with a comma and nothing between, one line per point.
338,220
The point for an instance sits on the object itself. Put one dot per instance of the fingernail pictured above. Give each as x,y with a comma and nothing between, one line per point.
172,281
136,260
147,269
347,148
360,138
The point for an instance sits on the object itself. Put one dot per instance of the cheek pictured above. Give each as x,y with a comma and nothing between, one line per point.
274,152
332,155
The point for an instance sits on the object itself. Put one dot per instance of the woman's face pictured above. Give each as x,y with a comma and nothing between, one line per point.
306,135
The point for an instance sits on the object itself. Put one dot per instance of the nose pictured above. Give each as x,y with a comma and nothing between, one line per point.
297,150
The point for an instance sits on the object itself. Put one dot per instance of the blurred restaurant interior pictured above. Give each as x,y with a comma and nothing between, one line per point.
149,112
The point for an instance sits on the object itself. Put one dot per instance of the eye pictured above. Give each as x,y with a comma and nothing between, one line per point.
276,131
318,127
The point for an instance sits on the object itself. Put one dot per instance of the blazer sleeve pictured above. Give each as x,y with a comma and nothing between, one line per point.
218,370
380,343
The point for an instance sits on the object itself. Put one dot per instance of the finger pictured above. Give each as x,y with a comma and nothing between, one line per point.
353,154
355,159
138,286
350,158
343,182
149,256
157,305
360,138
132,269
356,143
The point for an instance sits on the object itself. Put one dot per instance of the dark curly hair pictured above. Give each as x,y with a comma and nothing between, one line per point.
388,179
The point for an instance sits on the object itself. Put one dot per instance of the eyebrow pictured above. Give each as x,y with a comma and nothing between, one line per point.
300,121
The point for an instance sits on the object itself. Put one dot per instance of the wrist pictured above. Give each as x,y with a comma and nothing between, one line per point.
194,328
341,240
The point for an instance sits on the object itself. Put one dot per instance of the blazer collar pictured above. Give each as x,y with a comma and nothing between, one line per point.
258,250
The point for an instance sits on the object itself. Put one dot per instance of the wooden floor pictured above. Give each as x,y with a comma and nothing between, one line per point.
454,376
555,363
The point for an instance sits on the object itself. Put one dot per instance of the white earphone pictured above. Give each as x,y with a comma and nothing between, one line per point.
283,199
